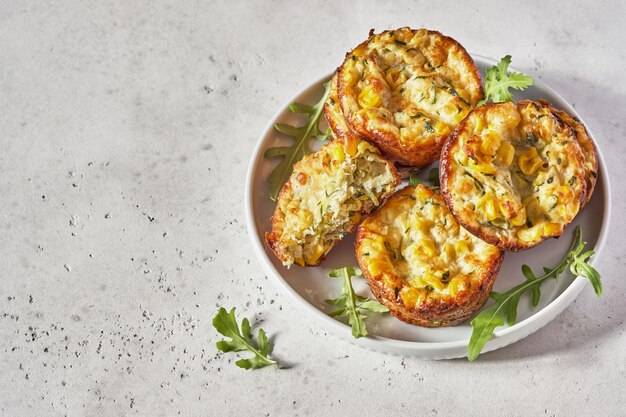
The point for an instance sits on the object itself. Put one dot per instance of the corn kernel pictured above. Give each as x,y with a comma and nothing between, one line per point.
422,192
418,282
368,98
480,124
490,210
550,229
441,128
490,143
531,234
520,218
377,267
506,152
566,189
338,153
461,115
315,254
487,205
351,145
423,225
410,296
434,282
428,247
448,250
529,162
484,168
378,245
357,52
306,218
461,247
457,284
505,207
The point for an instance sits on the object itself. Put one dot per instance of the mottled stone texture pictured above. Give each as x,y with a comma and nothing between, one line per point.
126,129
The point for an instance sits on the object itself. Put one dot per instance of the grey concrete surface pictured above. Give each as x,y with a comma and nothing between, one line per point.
126,129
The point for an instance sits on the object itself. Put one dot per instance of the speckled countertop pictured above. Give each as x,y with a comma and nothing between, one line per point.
126,129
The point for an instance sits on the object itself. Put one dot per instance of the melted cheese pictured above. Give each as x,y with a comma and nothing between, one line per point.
325,197
514,174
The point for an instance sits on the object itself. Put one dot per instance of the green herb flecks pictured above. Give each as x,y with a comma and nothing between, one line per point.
300,147
505,307
225,323
498,81
477,183
352,305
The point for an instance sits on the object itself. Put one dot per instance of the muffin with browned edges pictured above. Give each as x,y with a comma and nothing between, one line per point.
424,267
513,174
405,90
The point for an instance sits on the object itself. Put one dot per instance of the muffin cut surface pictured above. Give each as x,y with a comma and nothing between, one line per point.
325,197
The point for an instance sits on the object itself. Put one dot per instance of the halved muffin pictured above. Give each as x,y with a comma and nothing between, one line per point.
424,267
325,197
513,174
406,90
587,146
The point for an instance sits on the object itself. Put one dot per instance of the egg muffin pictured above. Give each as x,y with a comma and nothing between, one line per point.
405,90
513,174
587,146
419,263
325,197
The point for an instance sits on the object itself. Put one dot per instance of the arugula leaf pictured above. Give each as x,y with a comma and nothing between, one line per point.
498,81
505,307
300,147
226,324
351,304
433,178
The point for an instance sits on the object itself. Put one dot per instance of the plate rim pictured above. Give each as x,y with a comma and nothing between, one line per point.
444,350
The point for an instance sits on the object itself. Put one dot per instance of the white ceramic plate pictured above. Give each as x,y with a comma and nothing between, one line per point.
309,287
